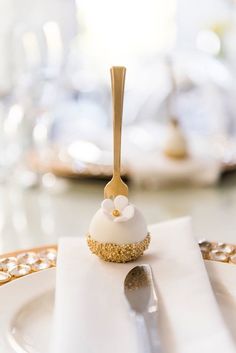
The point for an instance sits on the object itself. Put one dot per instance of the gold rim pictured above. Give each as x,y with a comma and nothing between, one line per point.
36,250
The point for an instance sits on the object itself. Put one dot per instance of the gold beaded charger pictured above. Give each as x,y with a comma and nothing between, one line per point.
27,303
25,262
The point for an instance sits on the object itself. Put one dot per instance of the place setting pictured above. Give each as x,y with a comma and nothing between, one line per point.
124,286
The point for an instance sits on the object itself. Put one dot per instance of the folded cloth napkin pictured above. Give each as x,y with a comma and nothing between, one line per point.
91,312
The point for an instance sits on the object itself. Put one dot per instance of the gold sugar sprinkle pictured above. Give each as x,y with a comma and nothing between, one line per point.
118,253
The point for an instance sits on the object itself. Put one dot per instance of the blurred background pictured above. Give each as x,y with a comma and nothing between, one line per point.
179,123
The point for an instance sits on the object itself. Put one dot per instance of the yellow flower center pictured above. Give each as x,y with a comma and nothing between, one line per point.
116,213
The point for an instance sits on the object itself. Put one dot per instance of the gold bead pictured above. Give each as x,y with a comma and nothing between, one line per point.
116,213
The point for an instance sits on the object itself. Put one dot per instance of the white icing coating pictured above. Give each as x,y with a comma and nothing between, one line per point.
105,230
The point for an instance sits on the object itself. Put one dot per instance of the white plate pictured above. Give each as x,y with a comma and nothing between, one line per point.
26,307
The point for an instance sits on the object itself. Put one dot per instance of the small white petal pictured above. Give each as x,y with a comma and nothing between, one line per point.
121,202
107,205
120,219
128,212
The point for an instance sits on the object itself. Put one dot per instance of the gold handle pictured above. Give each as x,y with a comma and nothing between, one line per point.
116,186
117,85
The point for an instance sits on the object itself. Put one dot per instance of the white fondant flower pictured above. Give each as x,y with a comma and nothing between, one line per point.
118,209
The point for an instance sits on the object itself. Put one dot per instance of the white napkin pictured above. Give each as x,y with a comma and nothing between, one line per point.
91,313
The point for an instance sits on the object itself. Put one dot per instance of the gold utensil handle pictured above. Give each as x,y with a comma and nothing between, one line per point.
117,85
116,186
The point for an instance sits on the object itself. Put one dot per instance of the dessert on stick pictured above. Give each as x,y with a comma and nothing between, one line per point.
118,231
176,144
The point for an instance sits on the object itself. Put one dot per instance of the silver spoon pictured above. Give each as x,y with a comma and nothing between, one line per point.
141,295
